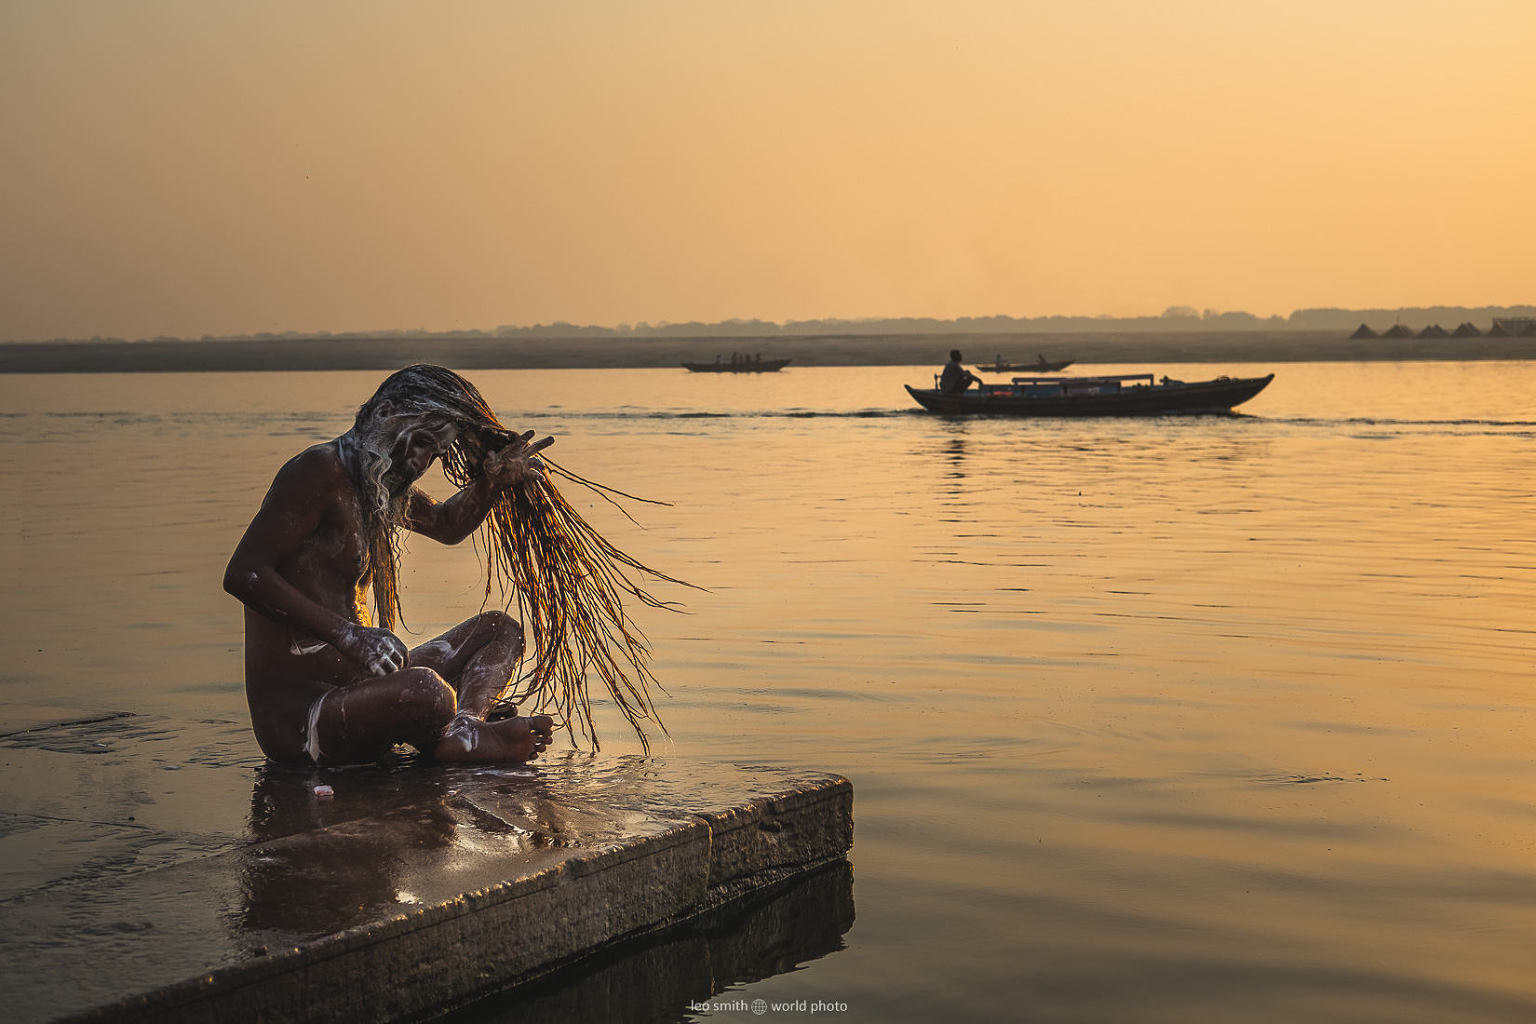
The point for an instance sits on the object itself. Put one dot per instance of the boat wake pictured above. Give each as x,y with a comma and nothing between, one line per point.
1459,427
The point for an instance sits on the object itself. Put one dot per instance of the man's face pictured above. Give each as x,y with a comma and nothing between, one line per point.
417,447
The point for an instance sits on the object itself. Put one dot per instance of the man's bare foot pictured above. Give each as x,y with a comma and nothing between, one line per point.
514,740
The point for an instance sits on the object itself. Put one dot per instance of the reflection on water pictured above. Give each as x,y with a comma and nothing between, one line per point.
1166,719
312,875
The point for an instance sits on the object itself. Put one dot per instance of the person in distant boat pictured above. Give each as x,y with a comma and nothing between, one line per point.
955,377
324,685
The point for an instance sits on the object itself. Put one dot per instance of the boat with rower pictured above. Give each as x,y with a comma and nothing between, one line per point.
1121,394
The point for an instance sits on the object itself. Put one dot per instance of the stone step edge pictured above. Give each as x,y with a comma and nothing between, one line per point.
374,971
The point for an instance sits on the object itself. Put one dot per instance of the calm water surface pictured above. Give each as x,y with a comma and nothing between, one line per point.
1214,718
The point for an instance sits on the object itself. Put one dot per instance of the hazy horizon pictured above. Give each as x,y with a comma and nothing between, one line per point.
1174,319
181,170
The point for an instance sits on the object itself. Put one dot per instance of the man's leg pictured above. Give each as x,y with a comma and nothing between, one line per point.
361,721
478,657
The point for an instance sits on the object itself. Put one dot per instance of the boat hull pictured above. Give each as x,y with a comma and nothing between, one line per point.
1199,398
765,366
1046,367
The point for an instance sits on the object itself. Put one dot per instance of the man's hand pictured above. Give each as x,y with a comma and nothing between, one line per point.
516,463
377,650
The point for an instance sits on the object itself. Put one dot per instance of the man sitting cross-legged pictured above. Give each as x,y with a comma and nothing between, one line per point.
325,686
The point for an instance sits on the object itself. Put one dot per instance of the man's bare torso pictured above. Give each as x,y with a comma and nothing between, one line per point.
287,670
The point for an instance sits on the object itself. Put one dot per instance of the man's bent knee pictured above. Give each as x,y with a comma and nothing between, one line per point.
502,624
426,695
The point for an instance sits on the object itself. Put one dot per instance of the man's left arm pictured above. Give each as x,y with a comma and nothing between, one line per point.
449,522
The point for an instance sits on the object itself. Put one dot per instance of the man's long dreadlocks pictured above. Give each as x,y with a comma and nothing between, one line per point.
422,393
568,581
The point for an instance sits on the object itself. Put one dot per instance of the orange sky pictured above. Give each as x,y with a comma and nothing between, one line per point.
184,167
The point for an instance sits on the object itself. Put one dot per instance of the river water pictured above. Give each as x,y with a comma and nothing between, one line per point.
1148,720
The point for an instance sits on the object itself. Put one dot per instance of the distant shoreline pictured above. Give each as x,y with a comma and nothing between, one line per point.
310,354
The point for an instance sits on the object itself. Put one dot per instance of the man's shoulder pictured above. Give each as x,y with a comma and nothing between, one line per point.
316,466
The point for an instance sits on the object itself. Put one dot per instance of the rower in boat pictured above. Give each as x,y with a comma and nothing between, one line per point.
956,378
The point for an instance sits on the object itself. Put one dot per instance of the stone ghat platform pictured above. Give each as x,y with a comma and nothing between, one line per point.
591,886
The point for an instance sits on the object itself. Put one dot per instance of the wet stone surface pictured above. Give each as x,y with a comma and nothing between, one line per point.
158,870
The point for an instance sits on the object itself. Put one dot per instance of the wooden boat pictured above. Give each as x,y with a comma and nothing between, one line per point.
1041,365
740,366
1129,394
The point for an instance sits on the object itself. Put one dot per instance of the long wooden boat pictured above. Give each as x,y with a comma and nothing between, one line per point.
1041,365
1130,394
741,366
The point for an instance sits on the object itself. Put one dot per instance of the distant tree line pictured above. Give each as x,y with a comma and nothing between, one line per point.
1174,318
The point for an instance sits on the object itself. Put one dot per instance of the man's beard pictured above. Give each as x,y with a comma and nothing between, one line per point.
396,486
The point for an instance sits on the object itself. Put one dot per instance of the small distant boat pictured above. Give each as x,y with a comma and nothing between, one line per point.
1127,394
1041,365
740,366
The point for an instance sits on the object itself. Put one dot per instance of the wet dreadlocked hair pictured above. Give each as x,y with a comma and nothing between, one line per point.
418,394
568,581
